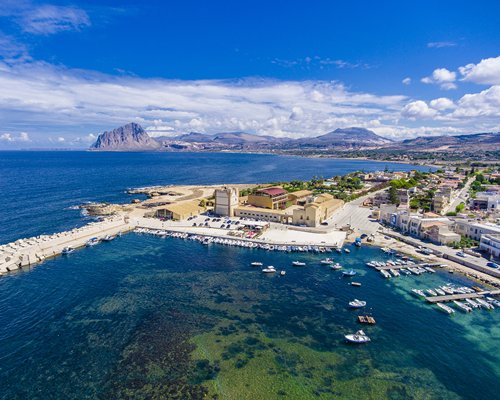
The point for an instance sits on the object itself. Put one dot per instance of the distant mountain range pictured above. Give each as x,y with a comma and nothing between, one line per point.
132,137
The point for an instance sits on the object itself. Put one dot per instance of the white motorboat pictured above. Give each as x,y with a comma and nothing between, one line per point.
394,272
462,306
92,242
336,266
298,264
440,292
418,292
358,337
108,238
445,308
357,303
385,274
347,250
269,270
327,261
348,274
431,292
256,264
472,303
67,250
484,304
282,273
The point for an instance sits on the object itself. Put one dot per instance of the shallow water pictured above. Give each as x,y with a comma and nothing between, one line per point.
144,316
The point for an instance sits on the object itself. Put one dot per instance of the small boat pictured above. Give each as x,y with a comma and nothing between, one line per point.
67,250
108,238
347,250
336,266
366,319
440,291
418,292
282,273
349,273
358,337
357,303
385,274
357,284
493,301
338,250
298,264
431,292
484,304
269,270
472,303
462,306
92,242
445,308
394,272
327,261
256,264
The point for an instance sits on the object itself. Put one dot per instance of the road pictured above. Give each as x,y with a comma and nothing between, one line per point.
460,197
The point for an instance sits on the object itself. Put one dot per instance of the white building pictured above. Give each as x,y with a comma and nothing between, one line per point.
491,245
489,201
226,200
474,229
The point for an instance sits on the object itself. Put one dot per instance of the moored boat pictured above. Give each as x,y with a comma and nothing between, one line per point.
357,303
256,264
269,270
298,264
445,308
92,242
349,273
327,261
67,250
358,337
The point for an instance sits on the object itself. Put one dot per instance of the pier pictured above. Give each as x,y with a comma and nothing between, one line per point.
452,297
31,251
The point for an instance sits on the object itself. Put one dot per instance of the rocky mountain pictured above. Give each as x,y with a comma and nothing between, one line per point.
479,141
130,137
345,138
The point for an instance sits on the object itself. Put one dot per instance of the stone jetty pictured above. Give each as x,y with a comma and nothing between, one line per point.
31,251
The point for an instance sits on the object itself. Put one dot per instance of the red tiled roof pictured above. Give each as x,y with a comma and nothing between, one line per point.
273,191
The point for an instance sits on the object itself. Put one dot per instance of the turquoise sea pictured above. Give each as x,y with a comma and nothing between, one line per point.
150,318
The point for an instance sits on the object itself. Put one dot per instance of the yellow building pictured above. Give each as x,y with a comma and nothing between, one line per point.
317,211
299,197
262,214
180,211
274,198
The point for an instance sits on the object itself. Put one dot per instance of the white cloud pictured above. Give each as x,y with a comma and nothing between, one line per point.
8,137
439,45
485,104
60,139
442,103
418,110
45,19
486,72
442,77
406,81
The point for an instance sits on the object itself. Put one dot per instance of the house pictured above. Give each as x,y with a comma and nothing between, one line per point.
274,198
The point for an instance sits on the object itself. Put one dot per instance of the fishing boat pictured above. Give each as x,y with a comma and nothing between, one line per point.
366,319
327,261
349,273
67,250
108,238
298,264
358,337
463,307
269,270
92,242
336,266
357,303
445,308
256,264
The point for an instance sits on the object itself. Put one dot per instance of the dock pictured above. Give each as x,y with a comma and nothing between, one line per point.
31,251
452,297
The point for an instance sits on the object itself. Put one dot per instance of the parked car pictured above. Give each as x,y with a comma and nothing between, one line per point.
461,254
493,265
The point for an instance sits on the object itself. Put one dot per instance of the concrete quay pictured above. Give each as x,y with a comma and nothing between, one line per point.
461,296
31,251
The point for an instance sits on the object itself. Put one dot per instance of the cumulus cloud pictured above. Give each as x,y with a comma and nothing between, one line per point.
486,72
483,104
443,103
406,81
417,110
9,138
442,77
44,19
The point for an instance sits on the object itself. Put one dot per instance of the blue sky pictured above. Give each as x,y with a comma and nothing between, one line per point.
69,70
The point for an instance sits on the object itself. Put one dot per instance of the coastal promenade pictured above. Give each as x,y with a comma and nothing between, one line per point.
31,251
